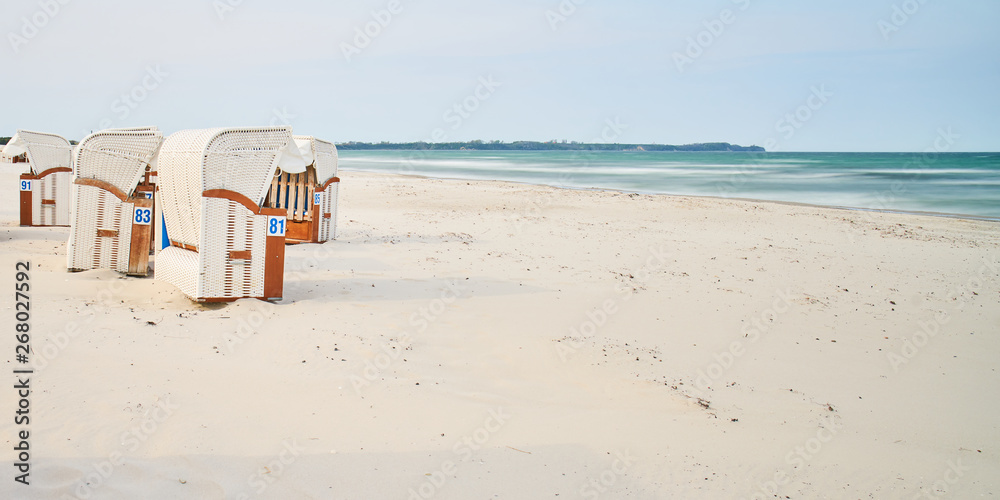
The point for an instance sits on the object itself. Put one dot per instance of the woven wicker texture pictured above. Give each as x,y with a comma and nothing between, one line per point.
119,157
50,199
179,268
191,162
326,169
238,229
51,188
326,159
99,210
328,226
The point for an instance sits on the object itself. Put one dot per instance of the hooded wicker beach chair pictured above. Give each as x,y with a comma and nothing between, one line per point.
113,220
306,187
223,245
45,197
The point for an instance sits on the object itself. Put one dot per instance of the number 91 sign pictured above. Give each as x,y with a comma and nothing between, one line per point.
25,185
143,216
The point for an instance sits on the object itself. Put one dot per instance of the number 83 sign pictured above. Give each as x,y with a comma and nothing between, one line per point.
143,216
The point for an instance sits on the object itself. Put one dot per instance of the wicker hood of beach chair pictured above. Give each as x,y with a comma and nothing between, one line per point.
223,245
112,221
45,193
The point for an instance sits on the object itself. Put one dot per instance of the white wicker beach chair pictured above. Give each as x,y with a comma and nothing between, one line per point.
112,220
223,245
45,197
327,188
307,189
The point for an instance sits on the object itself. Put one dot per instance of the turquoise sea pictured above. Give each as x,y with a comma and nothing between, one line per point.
949,183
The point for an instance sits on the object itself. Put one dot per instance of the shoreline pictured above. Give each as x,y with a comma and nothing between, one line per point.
946,215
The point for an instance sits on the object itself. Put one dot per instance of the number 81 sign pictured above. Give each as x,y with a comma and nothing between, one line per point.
275,226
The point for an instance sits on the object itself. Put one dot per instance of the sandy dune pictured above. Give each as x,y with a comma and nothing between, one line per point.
494,340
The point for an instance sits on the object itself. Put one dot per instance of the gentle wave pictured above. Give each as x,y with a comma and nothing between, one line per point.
959,183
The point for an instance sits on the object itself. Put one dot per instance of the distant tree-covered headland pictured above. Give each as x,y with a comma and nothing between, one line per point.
529,146
541,146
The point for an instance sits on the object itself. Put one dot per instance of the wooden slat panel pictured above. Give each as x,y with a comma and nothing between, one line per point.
273,194
138,258
150,188
274,263
107,233
288,197
307,209
240,254
300,191
298,231
314,234
26,202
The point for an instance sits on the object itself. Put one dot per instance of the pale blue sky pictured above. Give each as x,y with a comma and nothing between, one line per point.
269,62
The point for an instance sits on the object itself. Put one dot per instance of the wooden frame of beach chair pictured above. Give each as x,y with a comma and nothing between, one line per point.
310,197
45,193
223,245
147,186
113,221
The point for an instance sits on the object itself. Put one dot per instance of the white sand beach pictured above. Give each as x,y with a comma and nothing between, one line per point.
494,340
